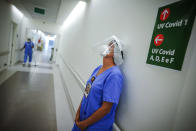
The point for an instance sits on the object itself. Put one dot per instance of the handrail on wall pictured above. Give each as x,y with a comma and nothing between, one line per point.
4,53
76,75
7,52
19,49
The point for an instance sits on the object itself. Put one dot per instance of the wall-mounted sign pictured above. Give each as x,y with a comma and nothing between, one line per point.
171,34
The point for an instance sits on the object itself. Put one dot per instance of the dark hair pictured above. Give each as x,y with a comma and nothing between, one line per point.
119,47
122,54
29,39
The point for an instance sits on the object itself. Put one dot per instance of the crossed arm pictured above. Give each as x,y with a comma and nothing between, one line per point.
96,116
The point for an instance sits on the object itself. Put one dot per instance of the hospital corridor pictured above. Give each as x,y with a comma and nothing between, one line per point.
97,65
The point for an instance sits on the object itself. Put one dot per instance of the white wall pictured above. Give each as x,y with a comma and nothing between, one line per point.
10,14
4,32
153,98
186,115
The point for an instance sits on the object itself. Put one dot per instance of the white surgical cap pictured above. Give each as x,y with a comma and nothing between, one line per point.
103,49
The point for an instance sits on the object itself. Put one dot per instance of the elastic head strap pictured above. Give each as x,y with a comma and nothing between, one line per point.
114,41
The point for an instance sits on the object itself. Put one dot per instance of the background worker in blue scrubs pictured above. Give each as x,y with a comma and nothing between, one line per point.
28,46
97,109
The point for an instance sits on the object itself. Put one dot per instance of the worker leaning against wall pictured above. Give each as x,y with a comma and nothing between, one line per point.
97,108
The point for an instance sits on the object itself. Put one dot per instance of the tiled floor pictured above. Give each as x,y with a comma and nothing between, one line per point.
63,115
28,103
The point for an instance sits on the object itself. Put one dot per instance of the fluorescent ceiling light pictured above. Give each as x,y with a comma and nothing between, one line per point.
17,11
76,12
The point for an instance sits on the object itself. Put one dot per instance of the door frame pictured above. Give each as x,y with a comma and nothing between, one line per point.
12,43
56,47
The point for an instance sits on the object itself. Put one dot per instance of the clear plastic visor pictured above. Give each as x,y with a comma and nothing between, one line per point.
106,48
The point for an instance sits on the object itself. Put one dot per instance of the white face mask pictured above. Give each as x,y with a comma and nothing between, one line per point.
105,52
103,49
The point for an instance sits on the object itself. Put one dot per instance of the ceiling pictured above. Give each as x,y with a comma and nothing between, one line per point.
51,9
56,11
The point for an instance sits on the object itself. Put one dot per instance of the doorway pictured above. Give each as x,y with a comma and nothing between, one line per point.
12,43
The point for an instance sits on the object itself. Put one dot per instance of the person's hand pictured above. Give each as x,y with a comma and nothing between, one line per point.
77,118
81,125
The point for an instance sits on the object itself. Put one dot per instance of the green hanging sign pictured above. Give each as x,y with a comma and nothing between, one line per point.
171,34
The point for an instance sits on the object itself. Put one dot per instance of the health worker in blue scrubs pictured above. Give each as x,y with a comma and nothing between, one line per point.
97,108
28,46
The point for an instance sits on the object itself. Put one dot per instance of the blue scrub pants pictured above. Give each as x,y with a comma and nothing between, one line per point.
26,55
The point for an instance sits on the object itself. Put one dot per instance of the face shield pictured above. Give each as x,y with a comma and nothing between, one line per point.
106,47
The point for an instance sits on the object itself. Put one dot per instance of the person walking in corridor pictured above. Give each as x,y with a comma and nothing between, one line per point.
97,108
28,46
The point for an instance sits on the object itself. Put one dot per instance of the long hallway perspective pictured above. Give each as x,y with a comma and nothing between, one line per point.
97,65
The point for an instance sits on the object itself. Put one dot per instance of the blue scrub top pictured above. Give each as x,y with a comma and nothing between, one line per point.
106,87
28,47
